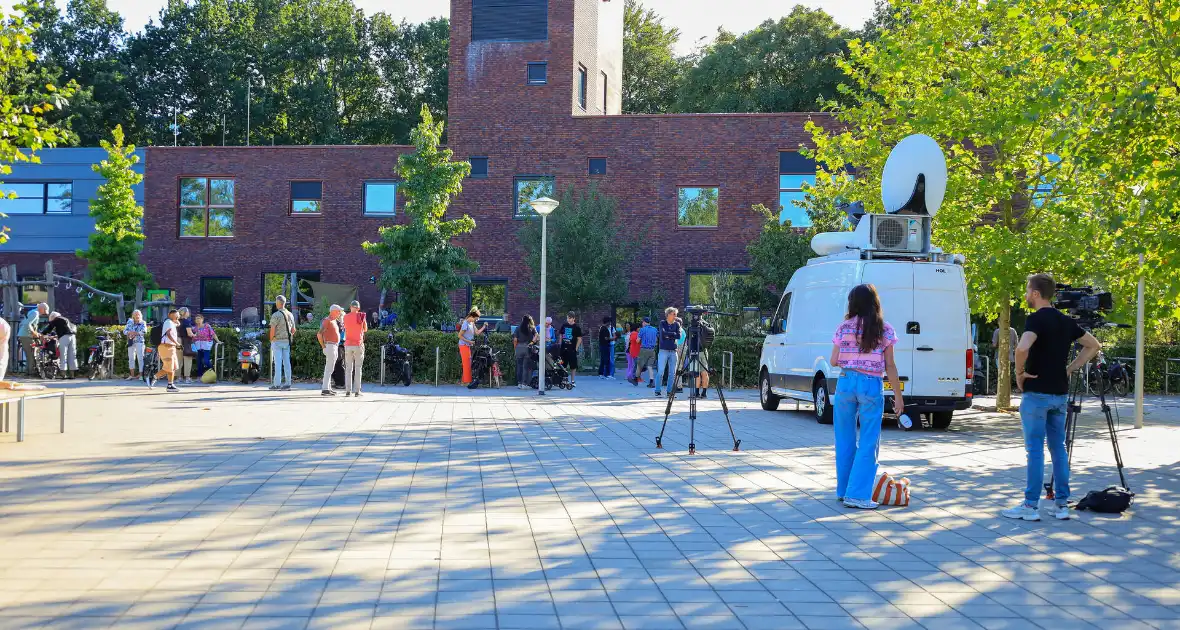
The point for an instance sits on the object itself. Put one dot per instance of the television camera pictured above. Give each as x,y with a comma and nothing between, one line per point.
1084,304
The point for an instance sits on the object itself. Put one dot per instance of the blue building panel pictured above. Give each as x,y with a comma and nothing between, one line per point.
42,226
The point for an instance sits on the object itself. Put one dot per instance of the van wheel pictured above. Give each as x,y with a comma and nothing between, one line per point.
769,400
823,402
941,419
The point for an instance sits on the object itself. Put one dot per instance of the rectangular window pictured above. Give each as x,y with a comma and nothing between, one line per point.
582,87
538,72
307,197
206,207
728,291
479,167
1042,190
37,197
33,294
274,283
527,189
794,171
597,166
509,20
490,297
217,295
381,198
697,207
604,92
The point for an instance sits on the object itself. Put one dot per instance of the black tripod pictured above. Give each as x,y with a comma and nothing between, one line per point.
692,367
1073,409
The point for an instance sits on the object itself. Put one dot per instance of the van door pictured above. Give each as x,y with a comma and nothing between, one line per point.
944,330
894,281
774,348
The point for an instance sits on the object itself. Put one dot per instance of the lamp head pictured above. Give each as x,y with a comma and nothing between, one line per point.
544,205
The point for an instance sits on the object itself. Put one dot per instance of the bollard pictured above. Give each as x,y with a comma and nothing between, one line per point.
437,355
382,370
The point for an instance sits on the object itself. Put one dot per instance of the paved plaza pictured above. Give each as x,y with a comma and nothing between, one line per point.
235,507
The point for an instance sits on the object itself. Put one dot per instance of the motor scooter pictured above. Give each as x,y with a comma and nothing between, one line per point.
249,355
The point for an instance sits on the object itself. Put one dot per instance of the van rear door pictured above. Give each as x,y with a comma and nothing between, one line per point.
894,281
943,330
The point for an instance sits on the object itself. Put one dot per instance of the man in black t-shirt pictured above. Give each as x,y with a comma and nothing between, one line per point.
570,334
1043,375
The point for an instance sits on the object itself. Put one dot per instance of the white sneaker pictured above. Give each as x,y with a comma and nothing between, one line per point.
1022,512
861,504
1061,512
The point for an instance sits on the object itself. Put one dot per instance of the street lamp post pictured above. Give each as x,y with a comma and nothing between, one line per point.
543,207
1139,358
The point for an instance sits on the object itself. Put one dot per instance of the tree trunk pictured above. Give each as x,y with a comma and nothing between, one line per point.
1003,349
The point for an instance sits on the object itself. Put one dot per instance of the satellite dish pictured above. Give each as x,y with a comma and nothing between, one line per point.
914,178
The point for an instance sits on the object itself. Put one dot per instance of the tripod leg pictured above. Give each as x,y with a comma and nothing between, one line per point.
1114,442
692,423
725,410
667,412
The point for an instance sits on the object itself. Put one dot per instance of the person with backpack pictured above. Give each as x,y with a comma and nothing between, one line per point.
67,346
282,332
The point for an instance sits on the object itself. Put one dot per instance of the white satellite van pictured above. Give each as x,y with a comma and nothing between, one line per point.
923,296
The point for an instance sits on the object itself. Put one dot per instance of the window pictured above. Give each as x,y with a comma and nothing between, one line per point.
794,171
33,294
479,167
217,295
1042,190
307,197
528,189
380,198
275,283
597,166
490,297
206,207
779,324
37,198
509,20
696,207
538,73
604,92
727,291
626,314
582,88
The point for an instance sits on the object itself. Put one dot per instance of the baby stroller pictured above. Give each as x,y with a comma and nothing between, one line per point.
485,362
556,374
398,362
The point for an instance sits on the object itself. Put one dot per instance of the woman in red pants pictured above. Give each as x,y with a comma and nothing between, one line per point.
467,333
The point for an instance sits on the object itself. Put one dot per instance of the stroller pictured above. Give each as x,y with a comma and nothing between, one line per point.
485,361
398,362
555,371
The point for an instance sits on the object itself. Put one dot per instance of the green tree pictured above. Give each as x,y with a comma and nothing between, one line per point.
589,251
418,261
775,255
26,105
651,70
113,256
781,66
1005,88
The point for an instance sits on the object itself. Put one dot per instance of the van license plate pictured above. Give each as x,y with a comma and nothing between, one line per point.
889,386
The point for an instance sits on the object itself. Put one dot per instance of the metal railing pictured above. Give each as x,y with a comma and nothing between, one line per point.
727,364
1168,373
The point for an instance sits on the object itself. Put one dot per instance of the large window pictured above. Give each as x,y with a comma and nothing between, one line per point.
582,86
490,297
206,207
730,292
307,197
217,295
794,171
538,73
509,20
33,294
528,189
381,198
696,207
37,197
274,283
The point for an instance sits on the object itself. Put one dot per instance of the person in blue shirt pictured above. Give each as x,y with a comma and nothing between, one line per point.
648,340
28,330
669,333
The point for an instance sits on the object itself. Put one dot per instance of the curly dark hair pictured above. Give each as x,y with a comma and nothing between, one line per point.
865,305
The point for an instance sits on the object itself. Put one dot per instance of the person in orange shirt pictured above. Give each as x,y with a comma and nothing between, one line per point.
329,338
356,324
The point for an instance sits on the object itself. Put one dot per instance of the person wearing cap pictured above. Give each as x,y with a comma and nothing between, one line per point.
67,348
29,330
356,324
282,332
329,338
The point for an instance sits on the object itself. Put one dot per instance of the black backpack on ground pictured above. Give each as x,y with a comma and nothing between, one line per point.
1113,500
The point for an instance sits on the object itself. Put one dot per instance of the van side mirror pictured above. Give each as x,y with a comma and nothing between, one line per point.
766,324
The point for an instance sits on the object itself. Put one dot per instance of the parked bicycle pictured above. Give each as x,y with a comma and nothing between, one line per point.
1103,376
45,357
99,360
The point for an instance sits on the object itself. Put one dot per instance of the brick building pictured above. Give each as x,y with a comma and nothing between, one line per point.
535,105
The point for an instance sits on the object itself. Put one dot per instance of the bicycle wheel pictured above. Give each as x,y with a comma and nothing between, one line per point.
1120,381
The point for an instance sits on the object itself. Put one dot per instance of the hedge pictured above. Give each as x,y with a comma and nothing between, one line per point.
307,360
1155,360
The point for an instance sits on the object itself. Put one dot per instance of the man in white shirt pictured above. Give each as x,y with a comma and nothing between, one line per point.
169,342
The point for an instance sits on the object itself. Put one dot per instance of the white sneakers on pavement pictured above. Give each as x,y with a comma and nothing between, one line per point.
1022,512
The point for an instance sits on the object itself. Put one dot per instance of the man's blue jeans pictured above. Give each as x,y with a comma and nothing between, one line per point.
280,354
858,397
1043,416
666,369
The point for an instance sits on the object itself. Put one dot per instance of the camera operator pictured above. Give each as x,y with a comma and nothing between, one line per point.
1042,374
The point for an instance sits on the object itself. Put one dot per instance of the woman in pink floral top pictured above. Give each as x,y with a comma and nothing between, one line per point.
863,348
203,338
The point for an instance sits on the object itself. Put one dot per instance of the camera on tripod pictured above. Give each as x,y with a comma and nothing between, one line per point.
701,333
1084,304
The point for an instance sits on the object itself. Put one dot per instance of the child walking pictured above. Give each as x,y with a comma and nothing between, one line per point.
863,348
